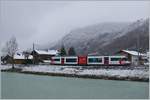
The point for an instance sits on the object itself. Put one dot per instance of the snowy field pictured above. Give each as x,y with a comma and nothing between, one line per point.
78,70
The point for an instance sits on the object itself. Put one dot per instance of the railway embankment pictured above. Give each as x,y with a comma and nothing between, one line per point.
140,73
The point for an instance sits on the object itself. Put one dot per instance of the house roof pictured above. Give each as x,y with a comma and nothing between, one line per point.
135,53
21,56
48,52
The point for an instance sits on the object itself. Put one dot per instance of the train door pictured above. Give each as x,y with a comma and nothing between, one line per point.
51,61
106,60
62,61
82,60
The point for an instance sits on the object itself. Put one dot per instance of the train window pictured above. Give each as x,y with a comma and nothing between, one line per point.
95,60
71,60
115,59
56,59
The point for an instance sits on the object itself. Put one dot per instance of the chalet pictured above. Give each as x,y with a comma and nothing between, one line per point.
132,56
43,56
19,58
5,59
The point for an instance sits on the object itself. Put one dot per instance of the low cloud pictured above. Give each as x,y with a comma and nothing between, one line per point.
44,22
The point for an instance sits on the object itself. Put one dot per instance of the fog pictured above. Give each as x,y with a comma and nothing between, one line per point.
45,22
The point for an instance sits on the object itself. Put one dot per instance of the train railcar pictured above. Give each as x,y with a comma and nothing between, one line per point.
90,60
107,60
118,60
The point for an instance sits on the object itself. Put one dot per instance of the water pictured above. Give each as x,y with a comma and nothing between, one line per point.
25,86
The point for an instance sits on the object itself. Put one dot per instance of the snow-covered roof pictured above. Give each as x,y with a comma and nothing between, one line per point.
135,53
46,61
21,56
48,52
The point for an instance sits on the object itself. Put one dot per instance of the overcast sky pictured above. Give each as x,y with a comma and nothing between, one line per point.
44,22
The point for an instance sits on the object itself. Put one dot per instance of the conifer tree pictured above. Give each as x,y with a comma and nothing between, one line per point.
63,51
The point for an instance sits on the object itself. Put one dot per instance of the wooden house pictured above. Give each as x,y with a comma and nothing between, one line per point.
19,58
43,56
6,59
132,56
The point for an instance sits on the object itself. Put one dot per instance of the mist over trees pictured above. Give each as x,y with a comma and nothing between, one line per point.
71,51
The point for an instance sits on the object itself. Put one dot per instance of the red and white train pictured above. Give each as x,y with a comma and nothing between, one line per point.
90,60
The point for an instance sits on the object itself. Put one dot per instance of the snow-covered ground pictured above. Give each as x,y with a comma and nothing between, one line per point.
3,67
141,73
116,73
51,69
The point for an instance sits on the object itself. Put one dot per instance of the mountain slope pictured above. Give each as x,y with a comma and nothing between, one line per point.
107,38
137,37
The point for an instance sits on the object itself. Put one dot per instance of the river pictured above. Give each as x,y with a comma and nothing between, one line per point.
27,86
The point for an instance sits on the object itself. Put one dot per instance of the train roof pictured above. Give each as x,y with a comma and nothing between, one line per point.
93,56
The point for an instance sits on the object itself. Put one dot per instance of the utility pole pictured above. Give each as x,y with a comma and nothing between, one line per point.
138,48
33,54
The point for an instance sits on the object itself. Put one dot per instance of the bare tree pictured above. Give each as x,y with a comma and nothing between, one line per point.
11,48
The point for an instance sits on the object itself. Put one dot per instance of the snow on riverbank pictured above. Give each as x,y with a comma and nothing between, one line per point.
51,69
3,67
141,73
117,73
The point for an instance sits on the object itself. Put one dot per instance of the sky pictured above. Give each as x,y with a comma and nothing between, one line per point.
45,22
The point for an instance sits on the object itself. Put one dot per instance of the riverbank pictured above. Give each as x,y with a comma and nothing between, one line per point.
136,74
